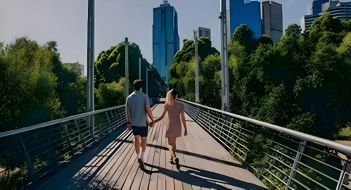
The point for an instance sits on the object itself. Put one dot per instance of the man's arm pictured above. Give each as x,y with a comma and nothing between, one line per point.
149,113
129,125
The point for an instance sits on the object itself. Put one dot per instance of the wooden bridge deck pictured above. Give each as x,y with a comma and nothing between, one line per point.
204,164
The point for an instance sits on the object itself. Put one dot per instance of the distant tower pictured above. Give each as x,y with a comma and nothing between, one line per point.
165,38
204,32
245,12
272,17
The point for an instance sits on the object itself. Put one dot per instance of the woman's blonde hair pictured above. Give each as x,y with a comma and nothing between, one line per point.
171,96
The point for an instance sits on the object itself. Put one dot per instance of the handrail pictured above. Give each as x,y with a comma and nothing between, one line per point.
54,122
283,158
34,151
325,142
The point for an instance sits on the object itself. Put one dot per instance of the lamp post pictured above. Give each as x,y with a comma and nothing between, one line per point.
90,63
126,69
224,58
147,81
197,99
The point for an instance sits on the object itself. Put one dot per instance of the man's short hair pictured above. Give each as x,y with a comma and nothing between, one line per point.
138,84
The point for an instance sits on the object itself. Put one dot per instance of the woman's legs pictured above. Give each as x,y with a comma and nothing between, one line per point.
172,147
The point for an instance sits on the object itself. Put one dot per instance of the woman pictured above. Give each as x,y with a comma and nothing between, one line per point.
175,112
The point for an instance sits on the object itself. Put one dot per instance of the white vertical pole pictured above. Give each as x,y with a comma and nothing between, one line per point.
126,70
224,58
197,98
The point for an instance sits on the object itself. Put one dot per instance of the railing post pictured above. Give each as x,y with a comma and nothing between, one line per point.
80,134
342,174
30,167
109,121
296,160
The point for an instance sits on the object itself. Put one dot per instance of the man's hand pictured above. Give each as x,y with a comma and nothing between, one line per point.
129,126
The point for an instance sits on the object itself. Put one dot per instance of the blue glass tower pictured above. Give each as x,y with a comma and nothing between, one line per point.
165,38
245,12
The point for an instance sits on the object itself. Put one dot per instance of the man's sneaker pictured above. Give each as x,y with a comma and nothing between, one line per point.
141,163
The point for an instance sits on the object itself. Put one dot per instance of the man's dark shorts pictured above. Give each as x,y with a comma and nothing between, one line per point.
141,131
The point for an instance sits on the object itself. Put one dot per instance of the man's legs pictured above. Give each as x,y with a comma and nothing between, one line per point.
137,144
143,147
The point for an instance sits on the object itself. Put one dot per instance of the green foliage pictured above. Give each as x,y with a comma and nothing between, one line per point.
183,72
35,87
110,94
300,82
110,67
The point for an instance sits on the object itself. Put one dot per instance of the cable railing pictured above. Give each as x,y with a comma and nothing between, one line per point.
28,153
281,158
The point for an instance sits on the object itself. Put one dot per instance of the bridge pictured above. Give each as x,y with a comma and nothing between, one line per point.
221,151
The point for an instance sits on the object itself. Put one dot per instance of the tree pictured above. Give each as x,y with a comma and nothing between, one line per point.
28,95
183,72
110,66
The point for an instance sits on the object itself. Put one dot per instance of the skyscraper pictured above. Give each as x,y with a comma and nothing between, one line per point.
245,12
205,32
165,38
272,17
337,9
317,6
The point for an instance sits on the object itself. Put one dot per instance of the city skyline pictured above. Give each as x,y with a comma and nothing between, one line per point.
65,22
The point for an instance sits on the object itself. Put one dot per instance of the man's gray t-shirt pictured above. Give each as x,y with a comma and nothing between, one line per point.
136,102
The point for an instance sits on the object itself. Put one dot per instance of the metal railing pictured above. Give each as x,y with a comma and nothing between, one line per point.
281,158
28,153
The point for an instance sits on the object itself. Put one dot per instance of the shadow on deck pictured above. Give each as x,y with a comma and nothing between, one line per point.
112,164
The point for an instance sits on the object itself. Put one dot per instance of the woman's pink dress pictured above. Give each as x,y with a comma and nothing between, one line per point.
172,122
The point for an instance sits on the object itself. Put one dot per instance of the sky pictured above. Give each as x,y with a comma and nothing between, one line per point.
65,21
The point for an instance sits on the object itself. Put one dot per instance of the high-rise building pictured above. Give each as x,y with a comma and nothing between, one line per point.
165,38
317,6
245,12
337,9
204,32
272,17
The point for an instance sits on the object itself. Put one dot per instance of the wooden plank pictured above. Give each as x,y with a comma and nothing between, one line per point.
140,174
145,179
100,162
91,166
135,169
156,161
103,178
121,166
161,179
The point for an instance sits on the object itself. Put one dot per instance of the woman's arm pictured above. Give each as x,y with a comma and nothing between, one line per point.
184,123
161,117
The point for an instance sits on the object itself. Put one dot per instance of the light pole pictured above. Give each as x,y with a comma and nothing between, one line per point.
139,67
90,63
224,58
197,99
147,81
126,69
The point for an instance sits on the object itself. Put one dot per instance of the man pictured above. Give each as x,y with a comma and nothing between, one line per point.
137,106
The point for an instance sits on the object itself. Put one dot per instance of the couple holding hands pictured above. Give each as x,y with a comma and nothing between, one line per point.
137,107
